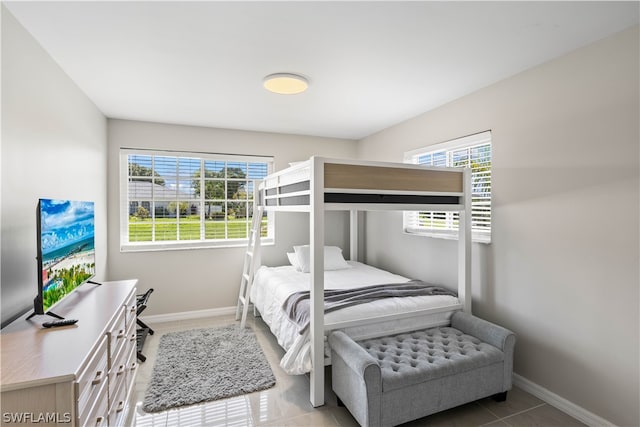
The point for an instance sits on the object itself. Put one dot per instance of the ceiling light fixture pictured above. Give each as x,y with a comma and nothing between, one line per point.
286,83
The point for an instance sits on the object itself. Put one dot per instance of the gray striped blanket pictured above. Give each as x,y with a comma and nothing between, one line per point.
297,305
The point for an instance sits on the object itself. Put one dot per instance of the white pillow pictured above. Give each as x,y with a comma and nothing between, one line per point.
333,259
293,259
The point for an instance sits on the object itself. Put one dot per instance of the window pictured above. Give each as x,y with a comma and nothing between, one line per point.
472,151
172,200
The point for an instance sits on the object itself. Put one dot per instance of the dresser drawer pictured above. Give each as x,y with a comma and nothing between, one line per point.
92,377
132,365
132,337
131,308
96,411
117,374
130,355
119,405
117,333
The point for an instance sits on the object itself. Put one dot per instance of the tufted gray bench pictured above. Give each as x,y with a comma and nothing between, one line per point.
391,380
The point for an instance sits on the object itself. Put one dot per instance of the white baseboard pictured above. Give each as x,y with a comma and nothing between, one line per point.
538,391
188,315
561,403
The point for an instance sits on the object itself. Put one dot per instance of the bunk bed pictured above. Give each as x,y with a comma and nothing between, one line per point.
325,184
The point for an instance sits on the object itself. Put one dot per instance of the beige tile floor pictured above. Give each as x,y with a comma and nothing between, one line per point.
287,403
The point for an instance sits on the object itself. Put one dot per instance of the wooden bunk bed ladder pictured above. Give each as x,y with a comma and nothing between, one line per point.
251,263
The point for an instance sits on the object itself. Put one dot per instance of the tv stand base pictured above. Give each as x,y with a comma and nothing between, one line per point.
48,313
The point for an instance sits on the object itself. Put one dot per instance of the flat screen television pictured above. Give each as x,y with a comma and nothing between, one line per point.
66,250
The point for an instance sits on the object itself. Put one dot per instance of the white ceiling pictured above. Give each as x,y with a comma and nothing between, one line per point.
371,64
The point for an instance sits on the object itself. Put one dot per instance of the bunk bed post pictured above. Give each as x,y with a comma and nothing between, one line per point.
258,208
316,242
464,246
353,235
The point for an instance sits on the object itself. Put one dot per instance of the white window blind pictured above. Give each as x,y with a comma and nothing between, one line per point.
171,200
473,151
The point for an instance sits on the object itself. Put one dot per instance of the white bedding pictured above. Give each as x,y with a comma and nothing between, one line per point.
272,286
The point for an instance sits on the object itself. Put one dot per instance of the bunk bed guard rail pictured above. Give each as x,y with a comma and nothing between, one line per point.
348,184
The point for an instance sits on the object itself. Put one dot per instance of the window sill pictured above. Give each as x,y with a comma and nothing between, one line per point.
188,245
475,238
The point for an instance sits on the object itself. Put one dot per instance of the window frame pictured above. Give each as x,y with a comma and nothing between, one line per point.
478,235
202,243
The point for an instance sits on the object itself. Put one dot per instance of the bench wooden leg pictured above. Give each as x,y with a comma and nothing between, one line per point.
500,397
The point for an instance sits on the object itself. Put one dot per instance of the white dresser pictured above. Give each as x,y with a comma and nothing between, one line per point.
79,375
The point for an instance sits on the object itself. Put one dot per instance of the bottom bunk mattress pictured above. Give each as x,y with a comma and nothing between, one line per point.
273,285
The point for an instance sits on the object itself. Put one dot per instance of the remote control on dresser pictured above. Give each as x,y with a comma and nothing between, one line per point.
63,322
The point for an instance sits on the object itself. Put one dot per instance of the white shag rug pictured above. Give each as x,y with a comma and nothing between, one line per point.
202,365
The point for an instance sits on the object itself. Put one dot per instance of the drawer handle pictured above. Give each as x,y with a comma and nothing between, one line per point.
120,334
120,406
99,421
133,366
98,378
133,337
120,370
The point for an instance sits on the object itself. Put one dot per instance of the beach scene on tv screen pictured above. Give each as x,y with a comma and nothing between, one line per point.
68,248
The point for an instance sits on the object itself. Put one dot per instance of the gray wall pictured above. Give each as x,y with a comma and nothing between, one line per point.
187,280
54,145
562,271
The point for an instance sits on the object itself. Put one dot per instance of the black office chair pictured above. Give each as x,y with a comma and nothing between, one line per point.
144,329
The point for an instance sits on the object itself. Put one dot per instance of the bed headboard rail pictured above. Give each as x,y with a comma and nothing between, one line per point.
358,182
383,178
